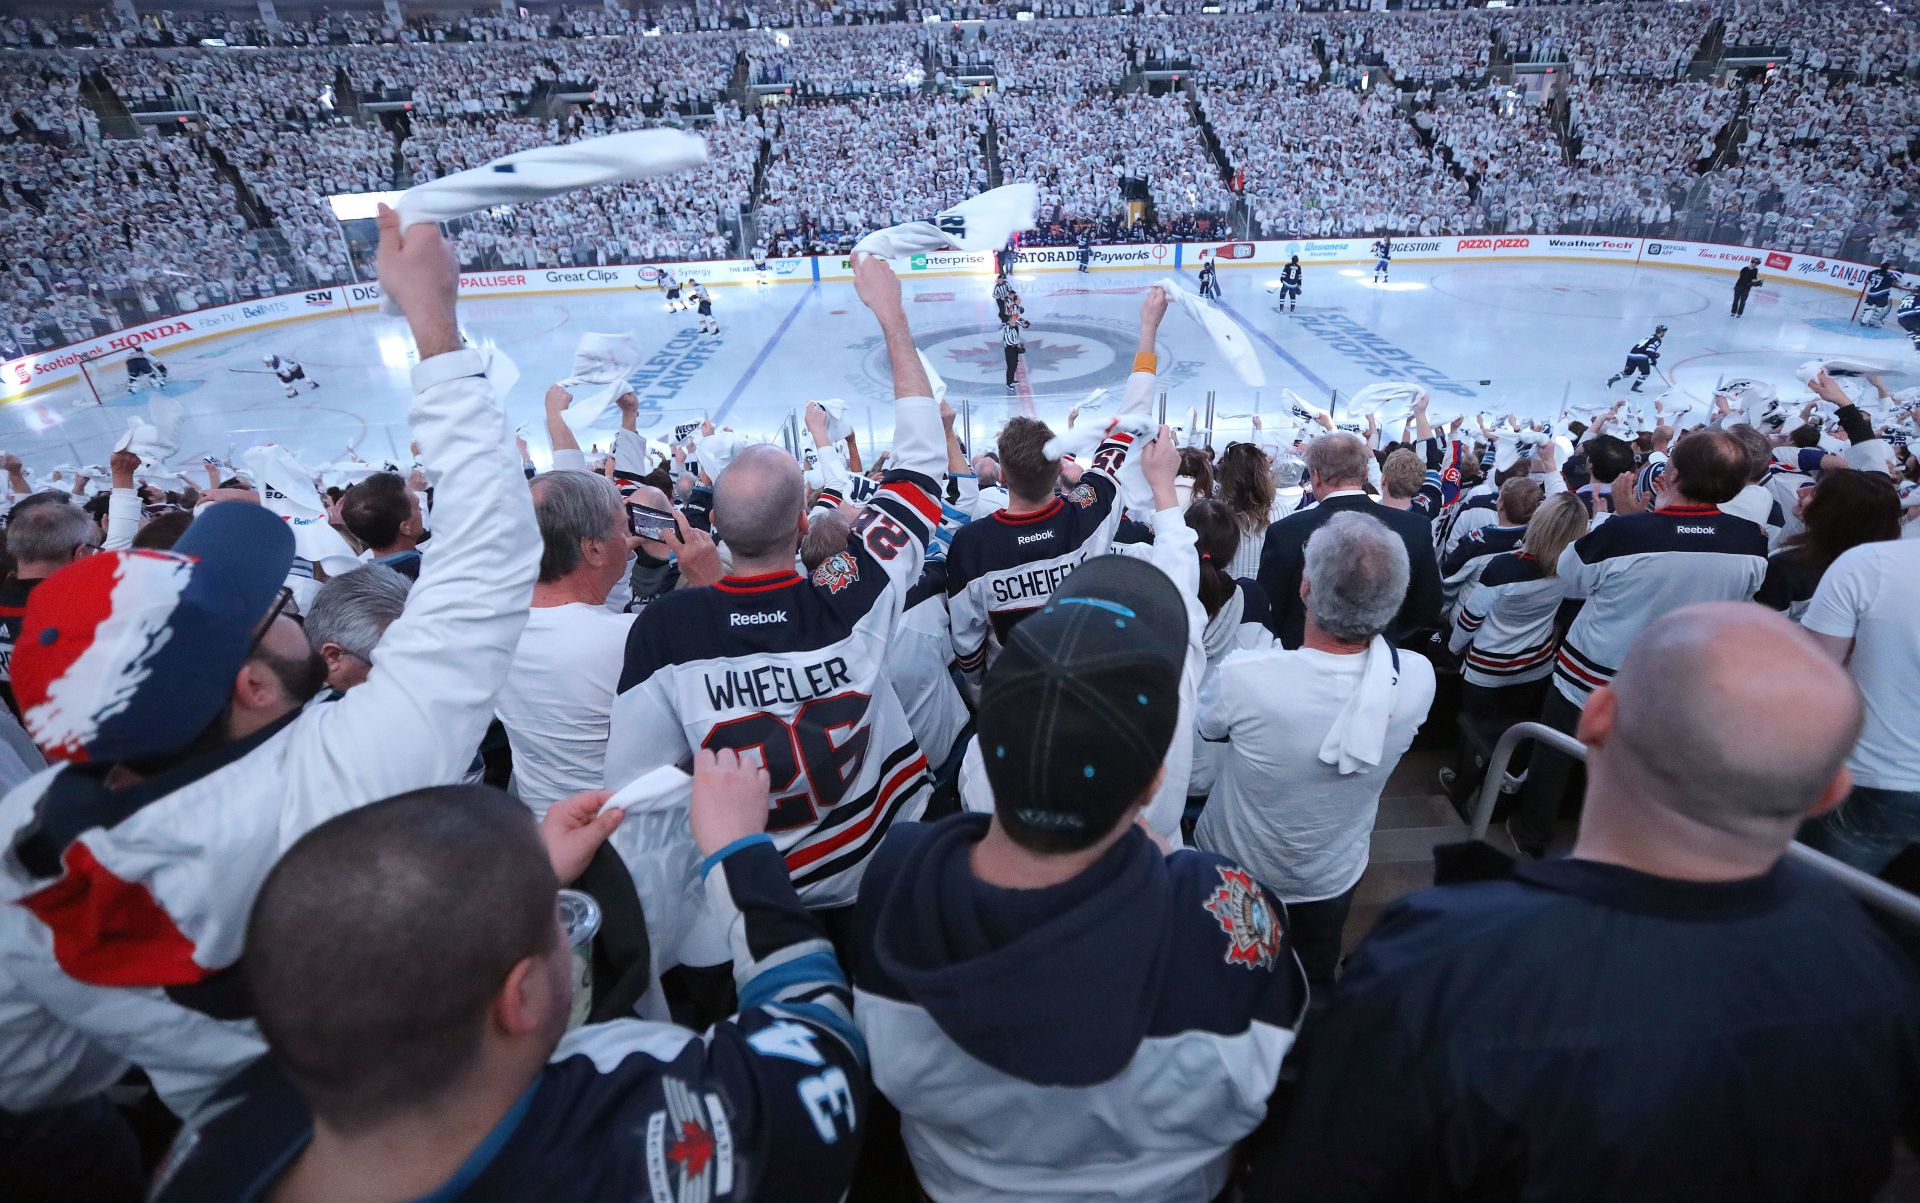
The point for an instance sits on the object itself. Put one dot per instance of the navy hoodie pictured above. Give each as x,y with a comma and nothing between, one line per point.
1110,1037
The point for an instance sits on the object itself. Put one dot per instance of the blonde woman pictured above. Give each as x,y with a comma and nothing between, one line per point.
1507,627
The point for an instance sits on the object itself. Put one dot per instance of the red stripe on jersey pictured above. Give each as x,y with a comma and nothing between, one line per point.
915,496
109,932
800,858
1577,673
757,584
1689,511
1039,515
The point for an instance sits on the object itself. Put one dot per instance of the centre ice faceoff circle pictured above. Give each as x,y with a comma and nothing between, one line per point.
1062,356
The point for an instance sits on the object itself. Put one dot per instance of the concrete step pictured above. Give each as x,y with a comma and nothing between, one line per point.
1417,810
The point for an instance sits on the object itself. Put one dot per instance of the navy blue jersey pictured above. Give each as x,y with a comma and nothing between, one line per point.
766,1105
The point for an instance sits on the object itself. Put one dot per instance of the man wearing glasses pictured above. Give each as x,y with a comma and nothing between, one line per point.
175,684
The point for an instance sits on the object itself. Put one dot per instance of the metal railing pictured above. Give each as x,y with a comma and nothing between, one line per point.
1864,886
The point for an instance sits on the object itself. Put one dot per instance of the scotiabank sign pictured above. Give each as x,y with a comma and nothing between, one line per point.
29,372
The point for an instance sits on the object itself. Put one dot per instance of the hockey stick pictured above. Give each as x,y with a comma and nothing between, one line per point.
254,371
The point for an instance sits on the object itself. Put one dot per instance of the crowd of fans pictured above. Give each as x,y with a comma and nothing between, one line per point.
1814,155
866,62
824,188
1327,161
1081,150
642,826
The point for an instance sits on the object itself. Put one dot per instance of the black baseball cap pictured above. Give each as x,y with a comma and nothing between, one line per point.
1079,709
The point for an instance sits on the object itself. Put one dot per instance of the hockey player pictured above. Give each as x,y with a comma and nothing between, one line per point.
1880,284
1382,258
760,260
670,284
1909,318
1086,249
1290,276
704,304
1641,359
795,668
1209,278
289,373
144,371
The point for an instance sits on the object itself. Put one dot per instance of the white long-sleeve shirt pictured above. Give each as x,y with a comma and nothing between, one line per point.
194,858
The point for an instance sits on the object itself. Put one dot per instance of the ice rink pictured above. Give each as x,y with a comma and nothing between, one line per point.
1520,337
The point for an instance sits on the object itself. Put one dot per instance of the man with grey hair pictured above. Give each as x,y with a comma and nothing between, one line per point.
45,533
559,692
1673,1012
349,615
1314,733
1337,466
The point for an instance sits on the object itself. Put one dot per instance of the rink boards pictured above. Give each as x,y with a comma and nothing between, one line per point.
35,373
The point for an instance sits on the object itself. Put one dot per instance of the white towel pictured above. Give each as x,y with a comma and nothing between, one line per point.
1839,366
1358,738
982,223
717,450
838,428
286,489
1229,341
657,848
1083,440
602,364
545,171
1390,401
157,439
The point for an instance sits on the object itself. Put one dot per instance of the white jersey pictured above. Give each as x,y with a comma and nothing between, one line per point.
795,670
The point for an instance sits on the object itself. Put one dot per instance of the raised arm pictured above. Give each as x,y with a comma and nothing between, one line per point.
566,448
419,718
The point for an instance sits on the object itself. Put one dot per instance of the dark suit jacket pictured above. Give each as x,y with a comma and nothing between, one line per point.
1284,553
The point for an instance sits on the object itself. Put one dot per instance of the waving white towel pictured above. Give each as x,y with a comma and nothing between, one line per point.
1228,339
286,489
982,223
602,364
838,428
157,439
1358,738
530,175
544,171
1390,401
715,451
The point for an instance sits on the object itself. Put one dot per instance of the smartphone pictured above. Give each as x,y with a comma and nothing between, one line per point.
649,523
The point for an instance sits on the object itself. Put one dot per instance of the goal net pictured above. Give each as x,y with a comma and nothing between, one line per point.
105,377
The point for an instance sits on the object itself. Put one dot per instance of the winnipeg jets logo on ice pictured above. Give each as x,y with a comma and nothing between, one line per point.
1240,908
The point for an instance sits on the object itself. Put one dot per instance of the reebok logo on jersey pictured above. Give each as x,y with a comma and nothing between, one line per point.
1036,538
756,620
1695,530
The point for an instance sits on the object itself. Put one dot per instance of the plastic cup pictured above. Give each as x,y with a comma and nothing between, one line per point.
580,915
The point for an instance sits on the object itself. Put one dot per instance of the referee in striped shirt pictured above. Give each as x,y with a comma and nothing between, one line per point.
1013,342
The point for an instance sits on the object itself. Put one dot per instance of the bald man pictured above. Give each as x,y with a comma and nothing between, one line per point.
1670,1013
793,668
